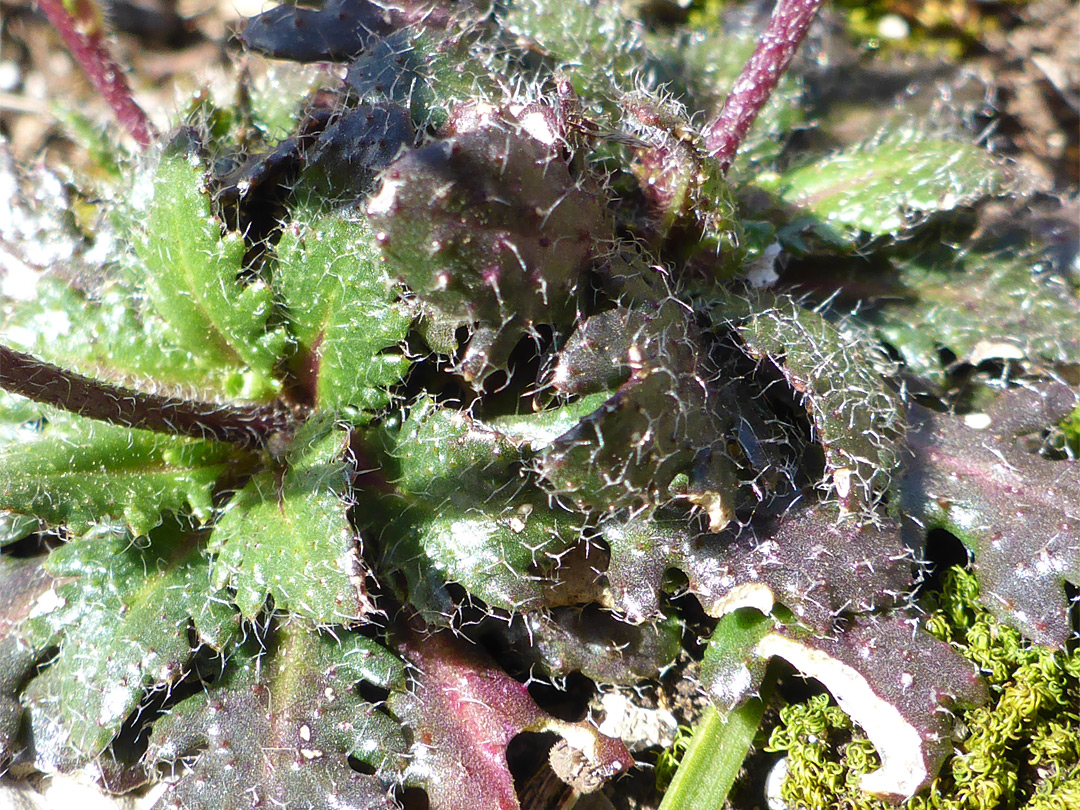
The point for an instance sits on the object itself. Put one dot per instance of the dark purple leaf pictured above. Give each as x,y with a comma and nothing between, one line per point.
356,147
279,728
488,227
666,420
813,562
1018,513
896,681
339,30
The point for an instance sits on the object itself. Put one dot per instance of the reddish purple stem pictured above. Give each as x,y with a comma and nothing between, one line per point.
775,49
244,425
87,45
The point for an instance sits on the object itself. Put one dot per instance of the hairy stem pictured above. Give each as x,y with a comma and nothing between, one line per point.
79,24
775,49
246,426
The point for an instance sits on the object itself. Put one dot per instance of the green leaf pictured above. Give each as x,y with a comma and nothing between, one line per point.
288,535
105,334
281,725
75,472
123,612
463,513
730,671
342,308
193,278
946,302
714,757
22,582
883,186
425,74
593,44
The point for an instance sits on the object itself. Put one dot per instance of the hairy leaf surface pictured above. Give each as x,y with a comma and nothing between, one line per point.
813,562
22,583
127,613
601,645
883,186
287,535
856,417
279,728
1018,513
103,333
666,420
893,678
343,310
946,301
592,43
487,227
75,472
465,514
422,73
193,278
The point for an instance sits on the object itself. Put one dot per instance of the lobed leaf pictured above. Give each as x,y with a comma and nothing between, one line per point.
193,277
487,227
74,472
666,420
890,676
287,534
462,512
104,333
343,310
1015,511
812,561
282,724
591,42
856,417
128,614
22,583
945,302
1034,695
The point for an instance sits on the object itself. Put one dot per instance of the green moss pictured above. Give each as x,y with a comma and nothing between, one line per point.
1021,750
1070,433
668,760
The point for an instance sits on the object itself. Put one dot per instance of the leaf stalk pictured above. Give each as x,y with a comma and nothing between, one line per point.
80,25
771,58
248,426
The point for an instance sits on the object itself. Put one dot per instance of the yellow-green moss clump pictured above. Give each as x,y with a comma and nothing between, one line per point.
1021,750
